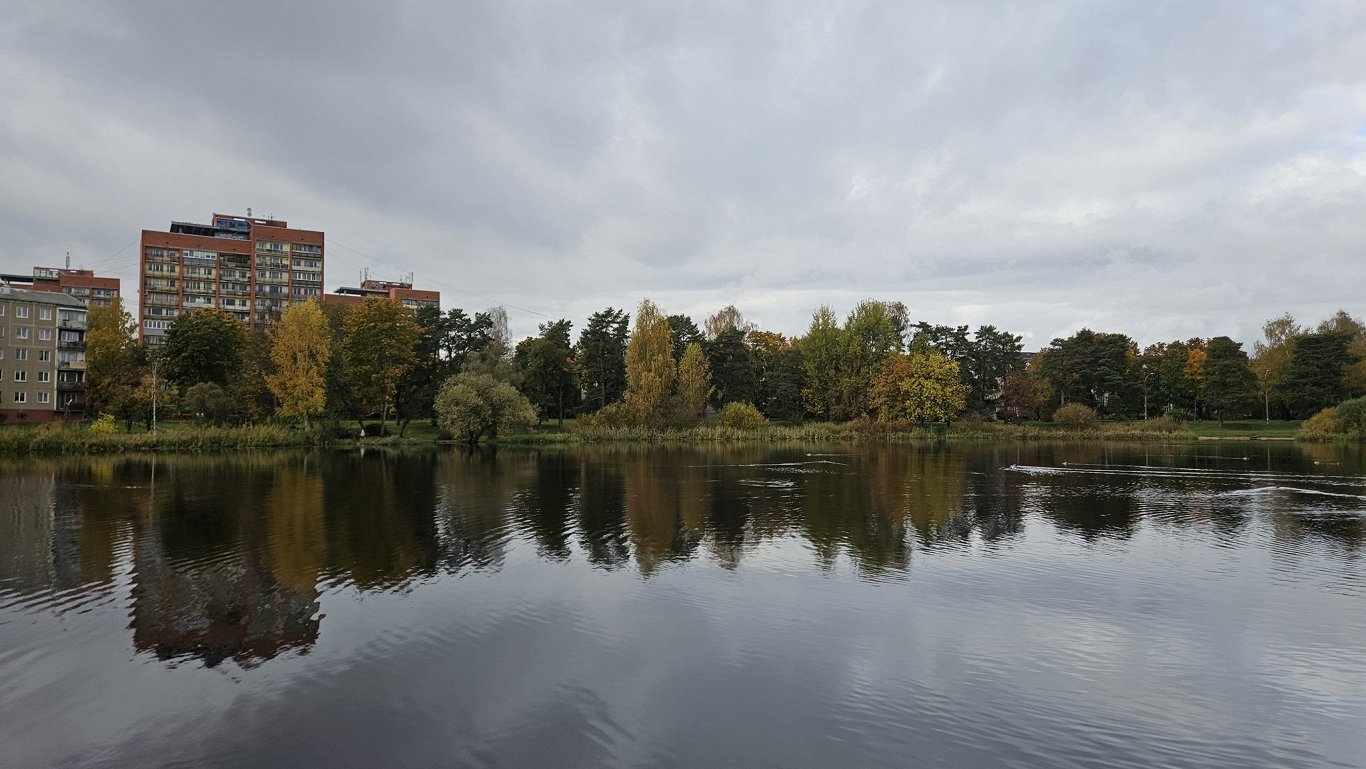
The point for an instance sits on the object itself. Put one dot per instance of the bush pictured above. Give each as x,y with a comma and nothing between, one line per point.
610,416
741,416
1351,417
1076,416
104,425
1320,427
1163,424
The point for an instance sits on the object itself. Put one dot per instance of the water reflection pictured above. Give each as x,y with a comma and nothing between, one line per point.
228,557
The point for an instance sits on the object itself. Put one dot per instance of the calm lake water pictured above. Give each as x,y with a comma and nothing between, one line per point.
1197,605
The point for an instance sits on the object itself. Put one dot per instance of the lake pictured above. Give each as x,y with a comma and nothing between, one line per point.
962,605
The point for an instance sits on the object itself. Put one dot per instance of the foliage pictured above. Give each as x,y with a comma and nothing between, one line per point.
984,361
821,359
871,333
381,345
1093,369
114,360
732,368
472,405
727,318
600,358
1271,358
741,416
300,350
1314,377
1230,385
1319,427
203,346
1022,395
650,369
1354,375
921,387
209,403
545,368
1076,416
103,425
683,332
694,382
1351,417
779,375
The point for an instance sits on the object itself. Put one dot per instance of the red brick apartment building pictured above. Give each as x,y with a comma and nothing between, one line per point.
250,267
398,291
85,285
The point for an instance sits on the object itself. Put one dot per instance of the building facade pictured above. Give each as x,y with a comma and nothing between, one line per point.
250,267
85,285
42,355
395,290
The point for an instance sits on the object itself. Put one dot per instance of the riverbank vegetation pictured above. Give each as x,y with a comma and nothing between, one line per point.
379,370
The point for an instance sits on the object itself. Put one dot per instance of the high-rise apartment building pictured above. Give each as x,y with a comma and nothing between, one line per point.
247,266
85,285
400,291
42,355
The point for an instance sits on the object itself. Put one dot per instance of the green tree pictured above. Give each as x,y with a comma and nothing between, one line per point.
1354,376
872,332
683,332
209,403
1271,359
1314,377
1094,369
300,349
732,368
1230,385
779,374
922,386
381,344
473,405
694,382
600,358
545,366
203,346
821,348
650,369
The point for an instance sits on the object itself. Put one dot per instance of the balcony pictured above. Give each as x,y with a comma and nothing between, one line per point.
73,325
71,387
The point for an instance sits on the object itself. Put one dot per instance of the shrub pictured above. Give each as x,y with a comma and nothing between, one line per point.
741,416
611,415
1320,427
1163,424
1351,417
1076,416
104,425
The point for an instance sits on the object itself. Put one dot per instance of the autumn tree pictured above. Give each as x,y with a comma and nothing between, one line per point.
381,342
694,382
872,331
1354,375
726,319
300,349
650,370
113,360
922,386
779,375
1022,395
1271,358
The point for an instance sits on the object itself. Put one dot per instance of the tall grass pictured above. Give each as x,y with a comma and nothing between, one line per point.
58,438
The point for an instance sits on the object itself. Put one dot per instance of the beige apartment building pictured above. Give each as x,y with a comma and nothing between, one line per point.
42,355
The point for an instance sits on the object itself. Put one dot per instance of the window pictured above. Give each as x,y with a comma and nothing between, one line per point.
42,397
21,332
44,376
21,397
21,376
45,335
44,313
21,311
2,354
21,354
45,356
2,310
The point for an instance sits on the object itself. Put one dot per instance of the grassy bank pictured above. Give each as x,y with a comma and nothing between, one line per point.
58,438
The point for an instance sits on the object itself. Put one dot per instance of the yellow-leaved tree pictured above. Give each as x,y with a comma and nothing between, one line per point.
650,369
923,386
300,350
694,382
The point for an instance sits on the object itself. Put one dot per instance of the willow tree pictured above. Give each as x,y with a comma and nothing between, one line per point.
650,370
300,350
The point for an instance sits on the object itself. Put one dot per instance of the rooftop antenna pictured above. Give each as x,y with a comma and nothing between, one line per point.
68,260
248,212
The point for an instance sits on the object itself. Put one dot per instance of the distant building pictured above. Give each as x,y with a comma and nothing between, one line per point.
42,355
85,285
401,291
250,267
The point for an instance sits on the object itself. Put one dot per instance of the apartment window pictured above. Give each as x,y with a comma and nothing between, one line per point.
21,332
21,354
42,397
2,310
45,335
2,354
21,376
44,355
44,313
44,376
21,397
21,311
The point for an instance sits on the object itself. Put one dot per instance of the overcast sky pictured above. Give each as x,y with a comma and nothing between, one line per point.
1162,169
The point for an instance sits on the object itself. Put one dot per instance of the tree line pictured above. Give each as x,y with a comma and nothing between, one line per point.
379,363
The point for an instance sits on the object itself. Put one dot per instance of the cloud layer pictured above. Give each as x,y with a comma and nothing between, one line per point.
1162,169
